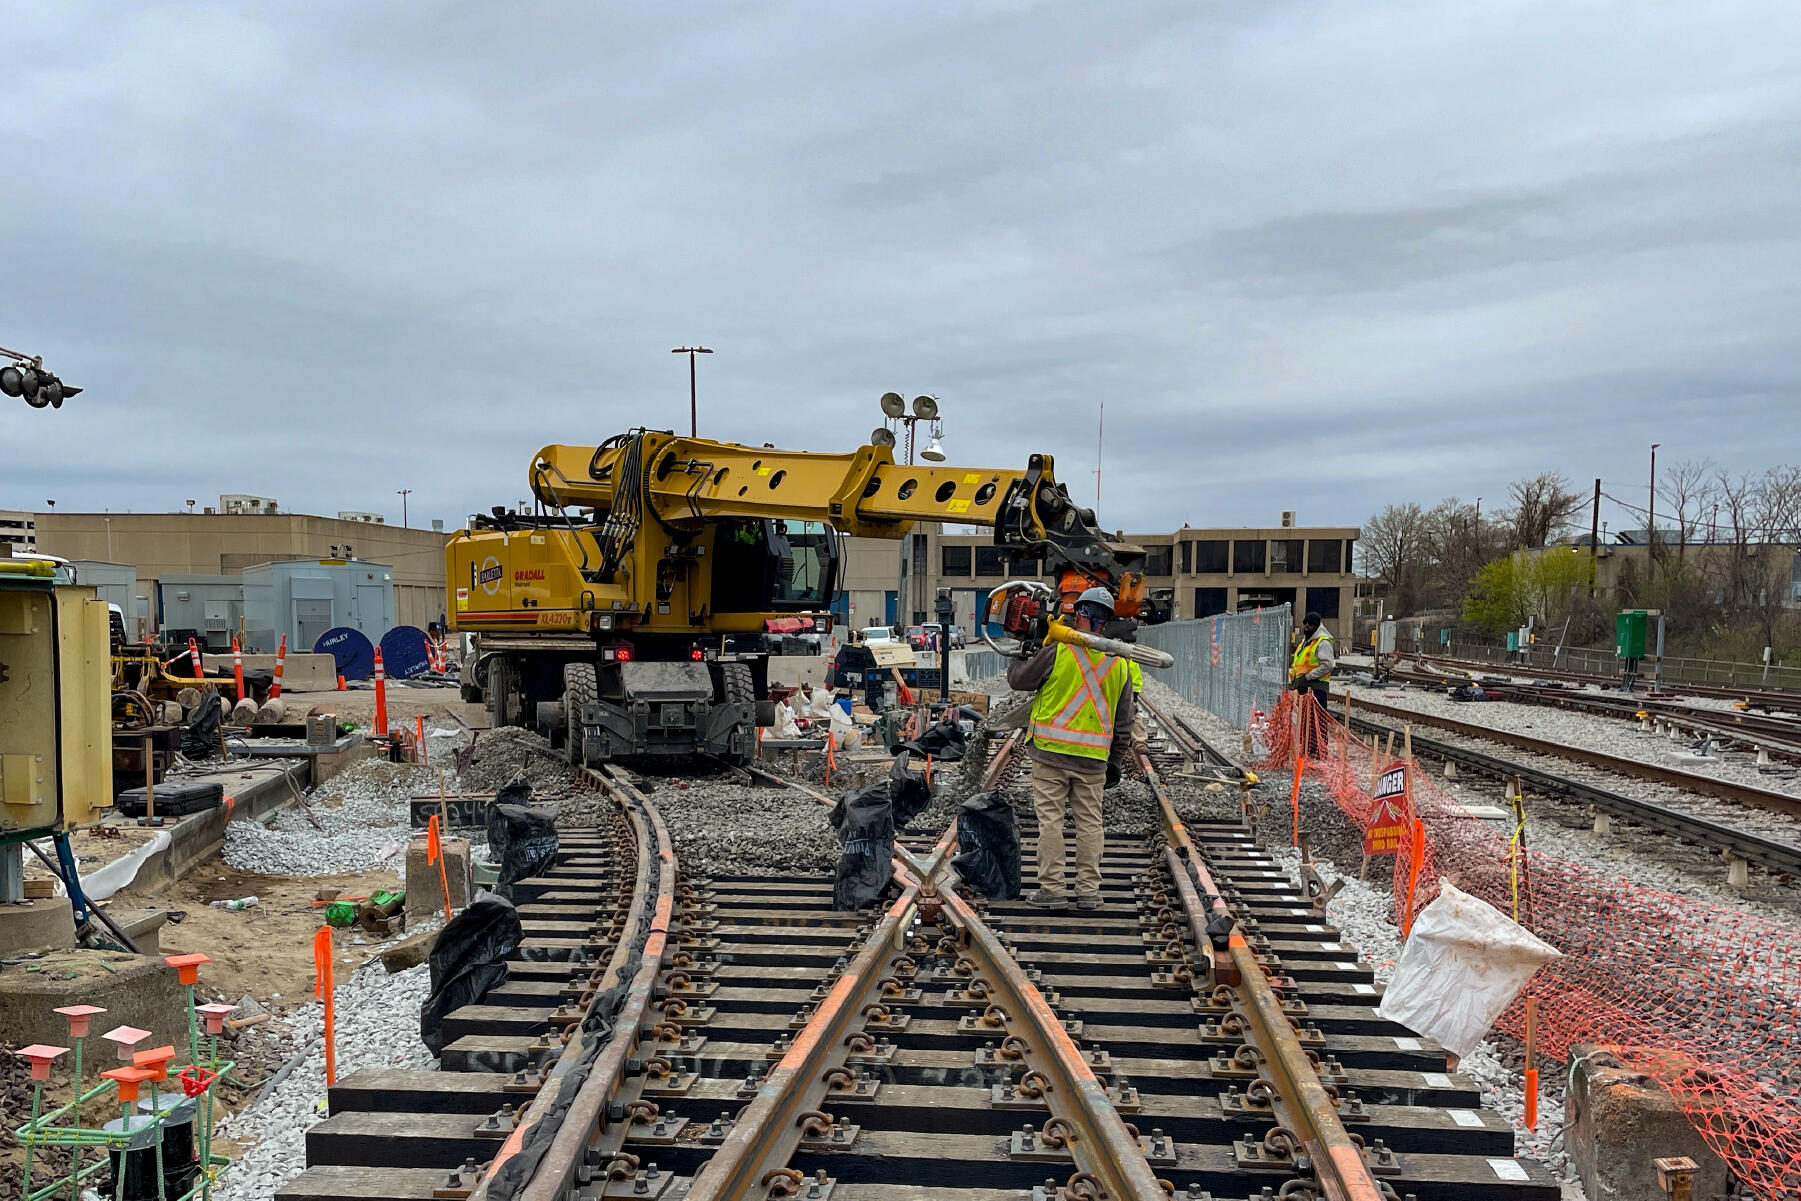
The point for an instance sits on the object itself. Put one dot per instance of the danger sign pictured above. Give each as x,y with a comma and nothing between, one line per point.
1388,823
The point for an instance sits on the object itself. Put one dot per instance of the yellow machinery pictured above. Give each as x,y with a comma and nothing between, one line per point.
55,725
630,613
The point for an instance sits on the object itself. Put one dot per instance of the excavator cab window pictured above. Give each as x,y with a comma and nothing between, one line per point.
773,565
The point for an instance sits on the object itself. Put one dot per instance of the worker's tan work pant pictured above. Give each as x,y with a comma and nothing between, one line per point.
1055,789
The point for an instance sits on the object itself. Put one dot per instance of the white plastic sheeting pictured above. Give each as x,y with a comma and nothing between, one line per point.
1464,963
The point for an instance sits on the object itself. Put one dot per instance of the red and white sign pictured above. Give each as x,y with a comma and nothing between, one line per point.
1388,823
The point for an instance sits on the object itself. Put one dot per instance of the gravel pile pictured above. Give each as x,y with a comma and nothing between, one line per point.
353,822
1364,913
377,1027
732,829
500,753
1593,732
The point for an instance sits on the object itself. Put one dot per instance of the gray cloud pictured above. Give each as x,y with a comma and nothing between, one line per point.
1310,257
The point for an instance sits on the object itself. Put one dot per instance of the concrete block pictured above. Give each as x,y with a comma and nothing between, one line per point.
1625,1121
135,990
424,895
301,672
40,925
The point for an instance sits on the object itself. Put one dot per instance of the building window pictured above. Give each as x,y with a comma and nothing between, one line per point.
956,560
1323,555
1323,601
991,561
1285,555
1208,601
1187,556
1156,560
1211,557
1247,555
919,554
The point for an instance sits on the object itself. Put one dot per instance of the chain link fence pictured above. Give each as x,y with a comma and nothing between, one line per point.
1227,664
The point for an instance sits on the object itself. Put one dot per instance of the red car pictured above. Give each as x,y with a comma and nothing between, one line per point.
917,639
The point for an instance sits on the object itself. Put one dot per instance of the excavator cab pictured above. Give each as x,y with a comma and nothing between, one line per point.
774,566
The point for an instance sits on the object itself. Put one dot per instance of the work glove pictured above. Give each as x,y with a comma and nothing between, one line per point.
1299,684
1113,774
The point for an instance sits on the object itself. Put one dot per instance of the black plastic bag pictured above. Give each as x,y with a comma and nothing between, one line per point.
522,839
200,733
943,742
908,792
468,961
988,846
864,821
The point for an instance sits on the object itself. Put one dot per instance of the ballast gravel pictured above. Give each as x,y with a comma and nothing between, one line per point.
377,1020
1587,731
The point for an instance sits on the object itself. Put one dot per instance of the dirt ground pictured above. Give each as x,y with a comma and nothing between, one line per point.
266,950
404,704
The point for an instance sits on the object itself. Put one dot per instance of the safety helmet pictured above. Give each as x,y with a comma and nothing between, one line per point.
1097,596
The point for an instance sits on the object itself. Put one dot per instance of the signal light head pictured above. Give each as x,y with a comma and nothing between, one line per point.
12,381
695,654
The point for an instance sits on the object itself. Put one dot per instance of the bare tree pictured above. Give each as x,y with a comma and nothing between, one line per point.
1392,545
1686,490
1456,543
1543,507
1769,577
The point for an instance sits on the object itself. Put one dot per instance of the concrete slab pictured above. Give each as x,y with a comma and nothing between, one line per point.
1625,1121
40,925
300,673
135,990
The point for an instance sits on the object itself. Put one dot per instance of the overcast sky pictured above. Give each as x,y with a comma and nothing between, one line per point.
1311,256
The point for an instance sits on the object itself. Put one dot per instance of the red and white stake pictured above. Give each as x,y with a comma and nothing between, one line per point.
381,697
281,657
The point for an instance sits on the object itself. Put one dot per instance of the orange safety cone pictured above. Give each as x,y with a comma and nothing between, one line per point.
237,666
194,657
381,697
341,687
281,657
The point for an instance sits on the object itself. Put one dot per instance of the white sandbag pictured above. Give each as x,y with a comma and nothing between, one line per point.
819,703
784,723
844,731
1464,963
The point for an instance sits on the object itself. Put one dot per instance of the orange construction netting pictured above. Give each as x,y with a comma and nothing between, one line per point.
1703,998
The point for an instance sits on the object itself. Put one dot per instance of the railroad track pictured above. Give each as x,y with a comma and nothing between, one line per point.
1205,1034
1773,699
1774,854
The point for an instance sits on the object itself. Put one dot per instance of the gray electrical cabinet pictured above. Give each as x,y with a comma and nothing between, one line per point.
303,598
207,606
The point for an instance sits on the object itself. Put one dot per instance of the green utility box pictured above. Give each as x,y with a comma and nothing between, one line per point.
1629,633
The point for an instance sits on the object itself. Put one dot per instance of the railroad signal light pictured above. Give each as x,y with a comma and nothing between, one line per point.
26,379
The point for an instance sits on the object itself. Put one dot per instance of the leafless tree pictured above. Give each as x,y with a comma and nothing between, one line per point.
1685,490
1392,545
1543,507
1456,545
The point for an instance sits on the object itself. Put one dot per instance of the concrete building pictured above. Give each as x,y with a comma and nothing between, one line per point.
214,544
1199,572
18,531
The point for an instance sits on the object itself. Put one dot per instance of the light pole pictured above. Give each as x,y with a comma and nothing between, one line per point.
402,493
693,411
894,411
1651,511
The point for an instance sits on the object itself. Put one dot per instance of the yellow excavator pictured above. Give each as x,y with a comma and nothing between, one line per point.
629,614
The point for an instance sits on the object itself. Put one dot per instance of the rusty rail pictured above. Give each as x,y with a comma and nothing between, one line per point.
586,1124
1298,1099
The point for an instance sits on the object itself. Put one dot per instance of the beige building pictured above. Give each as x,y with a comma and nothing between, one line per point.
189,544
18,532
1194,572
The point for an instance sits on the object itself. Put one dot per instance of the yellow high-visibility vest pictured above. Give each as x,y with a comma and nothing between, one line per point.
1306,657
1073,711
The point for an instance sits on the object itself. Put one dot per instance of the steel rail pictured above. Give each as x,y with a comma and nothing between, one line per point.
1743,794
1779,735
1770,698
1204,754
1101,1144
1301,1100
587,1121
1780,857
788,1104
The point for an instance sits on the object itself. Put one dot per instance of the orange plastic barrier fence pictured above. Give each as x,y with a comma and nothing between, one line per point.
1704,998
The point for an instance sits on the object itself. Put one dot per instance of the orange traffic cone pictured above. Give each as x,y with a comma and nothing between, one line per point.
281,657
381,697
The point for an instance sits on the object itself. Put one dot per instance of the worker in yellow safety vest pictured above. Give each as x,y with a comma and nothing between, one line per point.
1081,730
1311,674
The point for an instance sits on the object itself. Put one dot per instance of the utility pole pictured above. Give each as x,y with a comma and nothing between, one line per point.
693,410
1100,434
1594,542
403,493
1651,513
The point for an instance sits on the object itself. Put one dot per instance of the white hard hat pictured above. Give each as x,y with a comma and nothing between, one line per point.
1097,596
